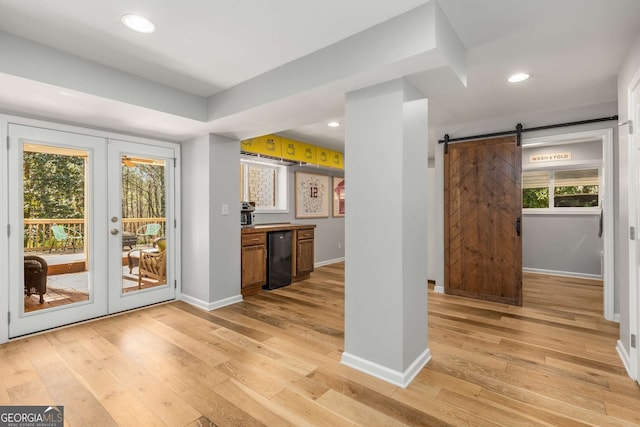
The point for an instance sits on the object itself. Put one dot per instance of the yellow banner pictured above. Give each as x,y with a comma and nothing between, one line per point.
296,151
269,145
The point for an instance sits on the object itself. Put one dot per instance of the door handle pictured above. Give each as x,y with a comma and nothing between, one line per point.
518,226
114,231
601,225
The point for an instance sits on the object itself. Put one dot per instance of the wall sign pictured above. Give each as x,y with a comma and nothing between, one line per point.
551,157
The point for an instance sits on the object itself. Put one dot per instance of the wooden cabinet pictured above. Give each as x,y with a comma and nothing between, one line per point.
254,254
304,252
254,263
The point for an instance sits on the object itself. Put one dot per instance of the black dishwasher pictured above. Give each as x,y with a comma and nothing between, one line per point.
278,259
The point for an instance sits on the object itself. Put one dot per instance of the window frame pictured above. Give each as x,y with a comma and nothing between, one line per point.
281,185
568,166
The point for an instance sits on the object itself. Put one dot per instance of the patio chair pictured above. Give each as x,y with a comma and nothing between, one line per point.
64,235
35,276
148,231
153,265
133,256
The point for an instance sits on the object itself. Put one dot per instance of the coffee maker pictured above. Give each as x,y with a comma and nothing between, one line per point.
246,213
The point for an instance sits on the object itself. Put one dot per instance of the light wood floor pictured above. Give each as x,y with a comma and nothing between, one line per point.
273,360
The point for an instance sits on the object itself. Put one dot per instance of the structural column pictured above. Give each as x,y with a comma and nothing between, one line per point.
210,224
386,154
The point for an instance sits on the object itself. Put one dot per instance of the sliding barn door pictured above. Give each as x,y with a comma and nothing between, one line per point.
483,247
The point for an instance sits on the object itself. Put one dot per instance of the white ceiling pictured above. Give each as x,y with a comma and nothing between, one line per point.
572,48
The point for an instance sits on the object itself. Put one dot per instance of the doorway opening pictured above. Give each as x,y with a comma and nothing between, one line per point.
96,226
568,211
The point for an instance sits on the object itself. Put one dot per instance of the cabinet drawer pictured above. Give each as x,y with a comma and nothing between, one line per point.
305,234
254,239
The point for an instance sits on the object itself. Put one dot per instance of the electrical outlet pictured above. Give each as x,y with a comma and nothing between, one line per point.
225,209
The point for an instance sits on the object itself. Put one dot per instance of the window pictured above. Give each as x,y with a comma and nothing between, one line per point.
535,189
575,188
264,184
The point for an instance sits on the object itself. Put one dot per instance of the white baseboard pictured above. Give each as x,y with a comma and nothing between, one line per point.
626,359
327,262
210,305
438,289
563,273
616,317
400,379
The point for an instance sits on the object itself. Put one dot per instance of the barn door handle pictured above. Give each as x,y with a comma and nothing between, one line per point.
518,226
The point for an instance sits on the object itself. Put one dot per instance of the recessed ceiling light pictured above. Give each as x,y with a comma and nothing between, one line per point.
518,77
138,23
333,124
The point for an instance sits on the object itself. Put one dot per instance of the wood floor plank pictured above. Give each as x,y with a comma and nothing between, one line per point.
33,392
460,409
163,402
627,413
218,409
254,404
538,413
355,411
304,411
67,391
297,366
274,360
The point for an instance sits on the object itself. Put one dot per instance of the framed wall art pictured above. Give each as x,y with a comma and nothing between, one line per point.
312,195
338,196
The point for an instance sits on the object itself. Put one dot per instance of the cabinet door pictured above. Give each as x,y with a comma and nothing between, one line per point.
254,265
304,260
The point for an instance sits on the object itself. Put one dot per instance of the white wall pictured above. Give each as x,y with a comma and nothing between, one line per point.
562,244
224,187
195,242
211,240
432,209
625,76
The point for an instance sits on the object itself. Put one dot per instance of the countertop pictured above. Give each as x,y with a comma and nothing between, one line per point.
263,228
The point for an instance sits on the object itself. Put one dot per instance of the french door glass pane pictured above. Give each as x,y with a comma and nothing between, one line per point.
144,238
55,213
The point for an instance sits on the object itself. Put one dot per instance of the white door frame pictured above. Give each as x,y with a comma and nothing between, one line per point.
606,136
4,240
633,145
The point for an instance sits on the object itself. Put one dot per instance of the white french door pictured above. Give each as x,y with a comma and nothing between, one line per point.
92,227
56,180
141,225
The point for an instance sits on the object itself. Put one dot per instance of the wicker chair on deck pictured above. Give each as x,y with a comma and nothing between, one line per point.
154,265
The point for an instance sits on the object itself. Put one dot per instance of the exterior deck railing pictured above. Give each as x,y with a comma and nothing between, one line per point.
39,237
